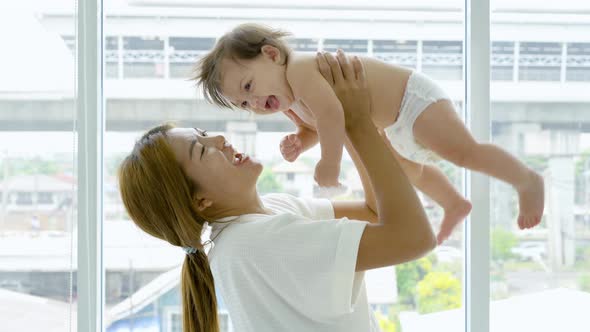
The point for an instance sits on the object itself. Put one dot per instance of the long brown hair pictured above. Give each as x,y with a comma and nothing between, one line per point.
244,42
158,196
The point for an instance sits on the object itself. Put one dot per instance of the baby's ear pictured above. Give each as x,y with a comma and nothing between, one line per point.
272,53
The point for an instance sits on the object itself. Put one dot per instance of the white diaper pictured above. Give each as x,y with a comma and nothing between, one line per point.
420,92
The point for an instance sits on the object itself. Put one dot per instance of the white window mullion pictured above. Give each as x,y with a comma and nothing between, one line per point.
477,102
89,131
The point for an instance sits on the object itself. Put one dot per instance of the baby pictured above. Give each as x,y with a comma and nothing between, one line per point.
252,68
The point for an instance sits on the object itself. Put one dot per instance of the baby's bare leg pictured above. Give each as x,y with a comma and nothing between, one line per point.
435,184
439,129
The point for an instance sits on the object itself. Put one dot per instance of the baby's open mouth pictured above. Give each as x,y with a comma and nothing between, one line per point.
272,103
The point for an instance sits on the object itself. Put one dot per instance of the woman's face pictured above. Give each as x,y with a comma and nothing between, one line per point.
219,171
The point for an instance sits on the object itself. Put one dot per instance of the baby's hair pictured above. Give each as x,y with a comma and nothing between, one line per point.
244,42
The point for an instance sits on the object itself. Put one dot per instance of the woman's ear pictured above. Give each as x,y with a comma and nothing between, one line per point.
272,53
201,203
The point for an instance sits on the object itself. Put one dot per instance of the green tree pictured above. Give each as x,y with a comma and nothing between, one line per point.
438,291
502,243
408,275
267,182
21,166
384,323
585,283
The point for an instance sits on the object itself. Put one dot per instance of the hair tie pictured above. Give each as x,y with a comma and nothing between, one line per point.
190,250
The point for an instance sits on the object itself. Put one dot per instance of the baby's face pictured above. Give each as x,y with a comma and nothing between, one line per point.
258,85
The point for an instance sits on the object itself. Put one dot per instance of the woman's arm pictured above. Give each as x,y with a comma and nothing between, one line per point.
402,232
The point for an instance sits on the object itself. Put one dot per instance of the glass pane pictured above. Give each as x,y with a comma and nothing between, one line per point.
541,273
401,52
184,52
578,62
502,61
143,57
540,61
37,167
352,46
443,59
142,275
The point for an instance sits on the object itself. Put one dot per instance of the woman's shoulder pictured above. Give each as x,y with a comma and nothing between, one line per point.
305,207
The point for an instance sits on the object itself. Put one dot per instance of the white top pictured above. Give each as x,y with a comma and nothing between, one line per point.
293,270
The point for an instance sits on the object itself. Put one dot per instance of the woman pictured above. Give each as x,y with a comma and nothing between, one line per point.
281,263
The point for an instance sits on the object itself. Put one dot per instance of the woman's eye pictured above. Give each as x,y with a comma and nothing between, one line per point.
247,86
244,104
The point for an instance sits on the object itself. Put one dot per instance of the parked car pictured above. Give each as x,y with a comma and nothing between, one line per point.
447,254
530,250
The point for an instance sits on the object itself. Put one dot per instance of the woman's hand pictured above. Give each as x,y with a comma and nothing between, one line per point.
349,82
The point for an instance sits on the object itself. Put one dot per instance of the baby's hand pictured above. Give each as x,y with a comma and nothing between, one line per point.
326,174
291,147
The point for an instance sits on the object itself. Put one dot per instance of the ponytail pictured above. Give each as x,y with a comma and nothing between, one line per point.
199,304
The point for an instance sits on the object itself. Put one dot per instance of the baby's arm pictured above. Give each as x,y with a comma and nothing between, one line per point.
303,139
327,110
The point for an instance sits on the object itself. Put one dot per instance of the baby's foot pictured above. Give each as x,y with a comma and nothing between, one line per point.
453,216
531,200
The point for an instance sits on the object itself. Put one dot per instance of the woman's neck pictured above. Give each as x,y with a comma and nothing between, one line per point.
251,204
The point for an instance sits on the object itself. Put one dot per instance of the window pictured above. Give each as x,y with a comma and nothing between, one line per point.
352,46
139,105
549,263
184,52
578,62
304,44
112,57
400,52
502,61
37,161
24,198
45,198
143,57
540,61
443,59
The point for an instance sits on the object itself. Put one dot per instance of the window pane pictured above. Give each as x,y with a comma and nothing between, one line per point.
352,46
443,59
502,61
143,57
401,52
539,61
37,167
304,44
133,106
542,273
578,62
112,56
185,52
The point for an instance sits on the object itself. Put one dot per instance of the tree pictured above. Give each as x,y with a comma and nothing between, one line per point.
408,275
585,283
384,323
20,166
438,291
502,243
267,183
